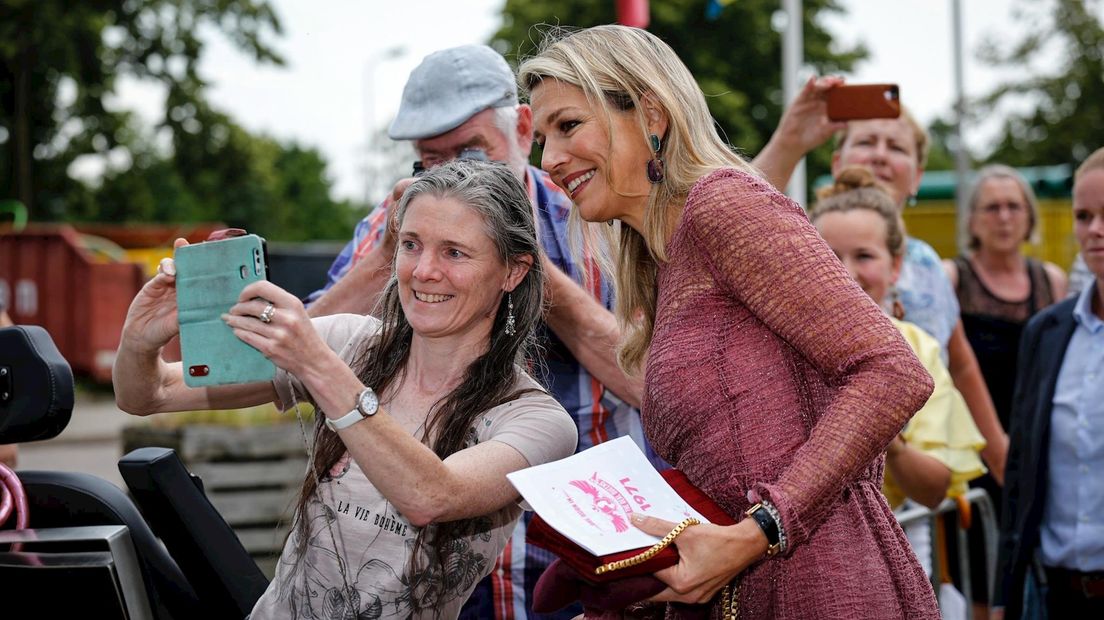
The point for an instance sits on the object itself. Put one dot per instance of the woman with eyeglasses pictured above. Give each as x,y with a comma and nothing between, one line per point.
998,287
998,290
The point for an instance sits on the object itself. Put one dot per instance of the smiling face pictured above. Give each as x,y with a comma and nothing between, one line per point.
888,148
1088,219
606,179
450,275
1000,219
859,239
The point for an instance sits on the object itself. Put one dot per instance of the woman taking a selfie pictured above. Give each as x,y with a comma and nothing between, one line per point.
895,150
422,412
772,381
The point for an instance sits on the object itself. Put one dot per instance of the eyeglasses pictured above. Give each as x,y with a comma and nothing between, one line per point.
995,208
475,153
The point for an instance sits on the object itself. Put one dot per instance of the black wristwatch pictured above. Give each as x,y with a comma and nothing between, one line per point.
769,526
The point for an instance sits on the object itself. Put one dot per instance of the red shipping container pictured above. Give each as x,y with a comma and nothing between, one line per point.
48,278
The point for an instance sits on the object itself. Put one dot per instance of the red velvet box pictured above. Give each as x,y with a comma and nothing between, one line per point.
573,576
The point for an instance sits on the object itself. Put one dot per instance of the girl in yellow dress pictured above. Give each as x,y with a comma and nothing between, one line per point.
937,453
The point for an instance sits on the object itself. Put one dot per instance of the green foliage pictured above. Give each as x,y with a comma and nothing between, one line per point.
60,60
279,191
1063,119
309,213
736,58
54,47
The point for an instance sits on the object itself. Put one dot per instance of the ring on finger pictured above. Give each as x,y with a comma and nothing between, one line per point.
267,313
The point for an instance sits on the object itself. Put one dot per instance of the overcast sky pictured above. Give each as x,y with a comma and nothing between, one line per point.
348,60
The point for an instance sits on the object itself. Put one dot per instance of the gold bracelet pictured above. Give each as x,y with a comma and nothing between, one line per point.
649,553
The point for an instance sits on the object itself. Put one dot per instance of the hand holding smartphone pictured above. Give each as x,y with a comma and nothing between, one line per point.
852,102
209,278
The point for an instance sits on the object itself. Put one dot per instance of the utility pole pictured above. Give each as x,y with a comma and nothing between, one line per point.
793,56
962,158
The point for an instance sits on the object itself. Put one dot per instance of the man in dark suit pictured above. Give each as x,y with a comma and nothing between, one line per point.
1053,512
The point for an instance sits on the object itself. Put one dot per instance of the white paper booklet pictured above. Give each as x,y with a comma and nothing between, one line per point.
589,497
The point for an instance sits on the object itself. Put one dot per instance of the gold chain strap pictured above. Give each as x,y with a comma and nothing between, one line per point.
730,601
649,553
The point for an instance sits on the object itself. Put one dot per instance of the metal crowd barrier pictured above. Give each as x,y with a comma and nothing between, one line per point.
981,507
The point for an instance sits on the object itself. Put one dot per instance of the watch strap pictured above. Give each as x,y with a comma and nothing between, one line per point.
345,421
766,522
354,416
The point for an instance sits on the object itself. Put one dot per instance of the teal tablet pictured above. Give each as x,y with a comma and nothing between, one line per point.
209,278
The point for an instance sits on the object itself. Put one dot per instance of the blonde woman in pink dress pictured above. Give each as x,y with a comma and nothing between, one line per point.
772,380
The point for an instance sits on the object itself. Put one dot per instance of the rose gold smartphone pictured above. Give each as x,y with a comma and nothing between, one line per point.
852,102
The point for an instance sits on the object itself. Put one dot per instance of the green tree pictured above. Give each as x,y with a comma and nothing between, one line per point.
59,60
304,189
280,191
1063,119
736,58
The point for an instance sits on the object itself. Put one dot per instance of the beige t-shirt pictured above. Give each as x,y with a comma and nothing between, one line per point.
369,576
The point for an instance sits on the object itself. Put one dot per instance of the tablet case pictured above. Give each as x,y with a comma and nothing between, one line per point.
209,278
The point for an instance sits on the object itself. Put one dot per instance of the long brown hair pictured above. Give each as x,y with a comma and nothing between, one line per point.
497,196
855,187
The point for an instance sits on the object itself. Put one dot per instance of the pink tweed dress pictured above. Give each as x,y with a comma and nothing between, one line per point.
772,375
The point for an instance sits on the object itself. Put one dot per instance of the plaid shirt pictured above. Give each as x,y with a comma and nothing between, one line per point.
598,413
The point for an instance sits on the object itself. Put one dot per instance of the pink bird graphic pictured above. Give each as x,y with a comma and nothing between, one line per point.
603,505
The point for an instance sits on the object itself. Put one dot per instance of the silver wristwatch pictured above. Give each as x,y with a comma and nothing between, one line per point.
367,404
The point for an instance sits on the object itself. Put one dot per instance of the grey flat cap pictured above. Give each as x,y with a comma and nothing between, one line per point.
451,86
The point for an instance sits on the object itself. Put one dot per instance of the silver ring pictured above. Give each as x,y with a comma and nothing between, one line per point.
266,314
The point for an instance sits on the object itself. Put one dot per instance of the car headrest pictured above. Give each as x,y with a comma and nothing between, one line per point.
36,385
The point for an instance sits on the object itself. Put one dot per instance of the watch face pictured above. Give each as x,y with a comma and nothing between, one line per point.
368,403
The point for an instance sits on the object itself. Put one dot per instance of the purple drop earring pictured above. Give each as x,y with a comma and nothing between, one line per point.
655,164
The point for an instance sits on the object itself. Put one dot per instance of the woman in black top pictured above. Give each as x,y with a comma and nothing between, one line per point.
998,287
998,290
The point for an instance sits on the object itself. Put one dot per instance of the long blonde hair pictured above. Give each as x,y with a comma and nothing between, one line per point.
617,67
1095,161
